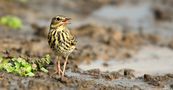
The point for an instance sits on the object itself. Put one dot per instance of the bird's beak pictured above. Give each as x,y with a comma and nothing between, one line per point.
66,21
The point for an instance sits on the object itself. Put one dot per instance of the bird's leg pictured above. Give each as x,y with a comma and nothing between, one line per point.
58,66
63,72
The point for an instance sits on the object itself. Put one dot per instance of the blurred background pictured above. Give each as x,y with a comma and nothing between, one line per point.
112,35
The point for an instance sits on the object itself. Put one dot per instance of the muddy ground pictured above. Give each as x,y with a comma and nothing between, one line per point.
122,44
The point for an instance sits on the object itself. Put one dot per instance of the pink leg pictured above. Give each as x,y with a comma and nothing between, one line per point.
65,65
58,67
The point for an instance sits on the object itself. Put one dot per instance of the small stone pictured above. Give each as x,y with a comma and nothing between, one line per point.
171,86
105,64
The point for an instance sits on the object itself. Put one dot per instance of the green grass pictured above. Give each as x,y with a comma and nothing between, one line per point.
11,21
20,66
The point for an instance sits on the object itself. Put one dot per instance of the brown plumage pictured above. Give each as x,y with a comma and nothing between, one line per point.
61,41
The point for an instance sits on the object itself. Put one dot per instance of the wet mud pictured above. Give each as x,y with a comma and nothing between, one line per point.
96,42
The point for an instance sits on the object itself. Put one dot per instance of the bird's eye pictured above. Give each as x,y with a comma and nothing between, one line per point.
58,19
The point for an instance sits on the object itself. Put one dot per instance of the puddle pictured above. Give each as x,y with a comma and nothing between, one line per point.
149,60
132,15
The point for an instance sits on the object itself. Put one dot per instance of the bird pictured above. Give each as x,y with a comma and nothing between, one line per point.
61,41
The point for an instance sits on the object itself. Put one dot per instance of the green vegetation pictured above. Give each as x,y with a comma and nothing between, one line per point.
11,21
21,67
39,63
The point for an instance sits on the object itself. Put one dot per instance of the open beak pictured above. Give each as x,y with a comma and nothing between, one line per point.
66,21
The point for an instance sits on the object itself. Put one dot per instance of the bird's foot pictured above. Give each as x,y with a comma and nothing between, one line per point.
58,71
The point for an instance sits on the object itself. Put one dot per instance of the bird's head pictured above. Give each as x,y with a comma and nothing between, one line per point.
59,21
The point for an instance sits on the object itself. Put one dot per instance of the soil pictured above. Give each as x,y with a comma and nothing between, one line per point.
100,40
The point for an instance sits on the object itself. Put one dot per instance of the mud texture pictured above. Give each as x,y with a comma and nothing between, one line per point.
95,42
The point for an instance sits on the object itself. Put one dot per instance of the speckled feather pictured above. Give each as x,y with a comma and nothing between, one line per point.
61,41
